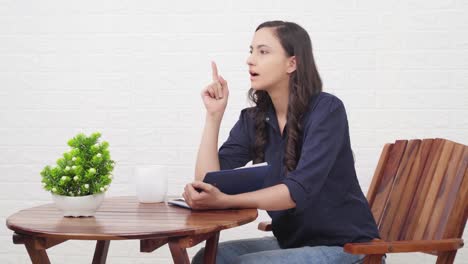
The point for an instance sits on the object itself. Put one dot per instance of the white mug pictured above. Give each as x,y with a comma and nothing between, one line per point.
151,183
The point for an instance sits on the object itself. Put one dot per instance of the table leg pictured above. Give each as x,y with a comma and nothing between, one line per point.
150,245
178,247
211,247
38,256
100,253
179,254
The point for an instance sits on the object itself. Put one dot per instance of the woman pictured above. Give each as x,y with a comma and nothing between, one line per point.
312,195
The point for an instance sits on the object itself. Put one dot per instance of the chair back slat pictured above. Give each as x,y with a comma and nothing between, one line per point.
446,195
414,180
422,189
396,205
430,198
456,218
419,190
386,181
378,174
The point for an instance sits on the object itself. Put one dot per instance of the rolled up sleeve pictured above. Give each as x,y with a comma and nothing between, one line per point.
235,151
323,139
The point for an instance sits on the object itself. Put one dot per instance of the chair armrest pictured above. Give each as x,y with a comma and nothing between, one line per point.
265,226
382,247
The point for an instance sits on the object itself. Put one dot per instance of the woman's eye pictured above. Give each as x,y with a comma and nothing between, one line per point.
263,52
250,51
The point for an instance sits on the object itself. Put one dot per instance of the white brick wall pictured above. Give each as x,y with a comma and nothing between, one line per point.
134,70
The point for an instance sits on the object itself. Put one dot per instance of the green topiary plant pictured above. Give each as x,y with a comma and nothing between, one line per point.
84,170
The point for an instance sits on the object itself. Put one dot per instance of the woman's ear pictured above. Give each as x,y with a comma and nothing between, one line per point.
291,67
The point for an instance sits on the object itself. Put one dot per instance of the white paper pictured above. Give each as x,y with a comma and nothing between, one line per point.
179,202
253,165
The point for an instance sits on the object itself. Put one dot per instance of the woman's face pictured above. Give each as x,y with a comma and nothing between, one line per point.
269,65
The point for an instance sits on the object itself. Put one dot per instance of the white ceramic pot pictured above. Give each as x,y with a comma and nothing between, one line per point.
77,206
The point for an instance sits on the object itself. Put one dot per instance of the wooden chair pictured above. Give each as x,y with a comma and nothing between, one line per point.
418,197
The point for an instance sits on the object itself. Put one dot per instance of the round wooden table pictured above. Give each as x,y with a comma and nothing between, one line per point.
154,224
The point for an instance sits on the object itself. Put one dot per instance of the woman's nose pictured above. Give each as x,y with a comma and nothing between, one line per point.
250,60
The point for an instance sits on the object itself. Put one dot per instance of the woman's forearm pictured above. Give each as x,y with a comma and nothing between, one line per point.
272,198
207,157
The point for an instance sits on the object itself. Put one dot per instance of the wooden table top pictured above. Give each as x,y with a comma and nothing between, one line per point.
125,218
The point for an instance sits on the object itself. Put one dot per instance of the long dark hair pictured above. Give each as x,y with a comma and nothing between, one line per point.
304,82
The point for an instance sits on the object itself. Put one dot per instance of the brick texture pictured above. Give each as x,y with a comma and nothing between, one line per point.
134,71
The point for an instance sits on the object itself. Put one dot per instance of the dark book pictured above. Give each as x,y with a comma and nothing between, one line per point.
239,180
234,181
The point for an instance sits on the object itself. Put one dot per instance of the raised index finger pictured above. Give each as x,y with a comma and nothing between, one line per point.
214,70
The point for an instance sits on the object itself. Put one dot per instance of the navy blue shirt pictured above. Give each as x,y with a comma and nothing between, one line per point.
330,206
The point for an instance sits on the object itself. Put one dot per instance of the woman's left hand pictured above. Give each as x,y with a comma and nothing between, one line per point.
210,197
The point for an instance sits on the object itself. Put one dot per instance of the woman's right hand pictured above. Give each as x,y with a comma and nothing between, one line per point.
215,95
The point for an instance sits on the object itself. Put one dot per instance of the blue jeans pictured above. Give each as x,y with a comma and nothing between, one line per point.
267,250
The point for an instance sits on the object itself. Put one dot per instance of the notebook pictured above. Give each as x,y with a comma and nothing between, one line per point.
234,181
179,202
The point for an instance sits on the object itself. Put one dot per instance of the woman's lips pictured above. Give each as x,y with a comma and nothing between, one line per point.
253,75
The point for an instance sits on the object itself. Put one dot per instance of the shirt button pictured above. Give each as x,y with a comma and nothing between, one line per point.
267,119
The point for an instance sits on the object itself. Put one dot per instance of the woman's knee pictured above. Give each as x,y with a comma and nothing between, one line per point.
245,259
229,250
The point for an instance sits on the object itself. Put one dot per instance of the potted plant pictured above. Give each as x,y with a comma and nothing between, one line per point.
81,177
